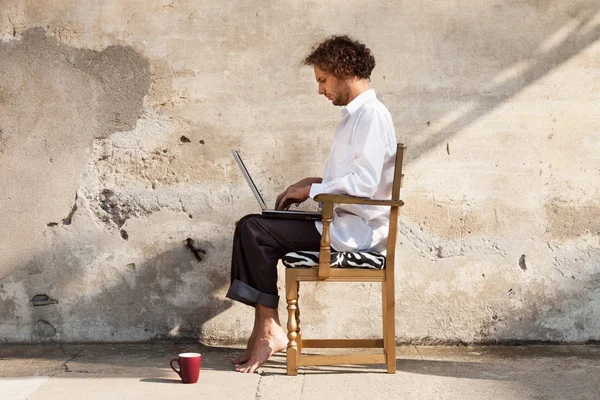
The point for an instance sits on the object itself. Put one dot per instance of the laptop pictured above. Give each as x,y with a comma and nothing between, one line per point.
286,214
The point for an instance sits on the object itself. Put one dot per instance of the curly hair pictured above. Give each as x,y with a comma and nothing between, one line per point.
342,57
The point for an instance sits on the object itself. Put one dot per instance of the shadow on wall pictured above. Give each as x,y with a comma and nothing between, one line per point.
562,315
553,304
574,32
95,295
77,280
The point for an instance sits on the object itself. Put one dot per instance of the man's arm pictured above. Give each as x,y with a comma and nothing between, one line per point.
296,193
308,181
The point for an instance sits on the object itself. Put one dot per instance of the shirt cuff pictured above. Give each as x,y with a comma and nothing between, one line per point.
315,189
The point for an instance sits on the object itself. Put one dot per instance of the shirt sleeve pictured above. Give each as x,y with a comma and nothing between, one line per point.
368,154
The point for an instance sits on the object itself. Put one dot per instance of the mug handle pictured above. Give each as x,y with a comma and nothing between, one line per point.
173,368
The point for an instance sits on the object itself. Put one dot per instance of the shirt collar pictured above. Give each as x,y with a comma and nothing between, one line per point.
359,101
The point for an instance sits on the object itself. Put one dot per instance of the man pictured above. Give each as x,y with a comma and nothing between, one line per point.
360,164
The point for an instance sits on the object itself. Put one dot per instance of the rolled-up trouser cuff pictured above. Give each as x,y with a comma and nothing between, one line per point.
239,291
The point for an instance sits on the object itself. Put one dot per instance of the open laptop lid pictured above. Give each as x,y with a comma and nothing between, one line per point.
240,163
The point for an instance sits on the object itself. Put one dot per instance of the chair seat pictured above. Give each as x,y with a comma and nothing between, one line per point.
339,259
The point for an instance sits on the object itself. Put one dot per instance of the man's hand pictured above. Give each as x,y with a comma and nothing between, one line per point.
296,193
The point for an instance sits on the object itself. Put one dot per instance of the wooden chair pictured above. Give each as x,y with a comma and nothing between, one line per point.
293,277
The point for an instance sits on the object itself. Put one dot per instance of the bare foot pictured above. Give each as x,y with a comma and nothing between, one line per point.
246,356
270,340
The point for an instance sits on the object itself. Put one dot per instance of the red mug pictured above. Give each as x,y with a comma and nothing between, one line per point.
189,367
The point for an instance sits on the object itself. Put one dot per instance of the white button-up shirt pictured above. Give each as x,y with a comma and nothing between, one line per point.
360,163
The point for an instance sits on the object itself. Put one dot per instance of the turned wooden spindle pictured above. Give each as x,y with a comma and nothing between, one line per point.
298,329
325,250
292,324
292,349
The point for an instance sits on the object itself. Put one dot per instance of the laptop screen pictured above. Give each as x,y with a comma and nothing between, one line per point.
240,163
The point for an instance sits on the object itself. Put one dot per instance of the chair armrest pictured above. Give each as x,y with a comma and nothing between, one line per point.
345,199
327,215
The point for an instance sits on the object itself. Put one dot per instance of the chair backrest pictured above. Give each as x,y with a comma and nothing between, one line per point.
395,211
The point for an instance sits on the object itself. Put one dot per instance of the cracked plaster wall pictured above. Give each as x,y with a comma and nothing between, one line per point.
117,120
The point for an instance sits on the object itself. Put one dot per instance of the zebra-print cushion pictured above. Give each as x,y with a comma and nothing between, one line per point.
340,259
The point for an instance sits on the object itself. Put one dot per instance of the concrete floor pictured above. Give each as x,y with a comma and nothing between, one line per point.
141,371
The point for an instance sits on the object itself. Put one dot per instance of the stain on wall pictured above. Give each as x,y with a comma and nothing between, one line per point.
569,221
57,100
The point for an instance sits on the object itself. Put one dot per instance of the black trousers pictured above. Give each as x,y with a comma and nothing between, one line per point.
258,243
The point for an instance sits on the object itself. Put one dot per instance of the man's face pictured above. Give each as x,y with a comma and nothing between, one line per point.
335,89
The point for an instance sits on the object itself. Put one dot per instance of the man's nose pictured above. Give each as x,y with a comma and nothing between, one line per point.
321,89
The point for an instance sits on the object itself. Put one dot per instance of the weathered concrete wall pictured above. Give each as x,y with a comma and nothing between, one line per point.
116,124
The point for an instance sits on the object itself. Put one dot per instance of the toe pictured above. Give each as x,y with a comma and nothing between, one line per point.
242,367
253,367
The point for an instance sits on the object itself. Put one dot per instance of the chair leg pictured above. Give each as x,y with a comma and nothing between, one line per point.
389,333
298,331
384,315
291,286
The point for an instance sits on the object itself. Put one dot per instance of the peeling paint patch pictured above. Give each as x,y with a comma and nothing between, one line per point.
2,138
116,208
42,300
161,89
569,221
69,218
522,263
44,329
451,220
